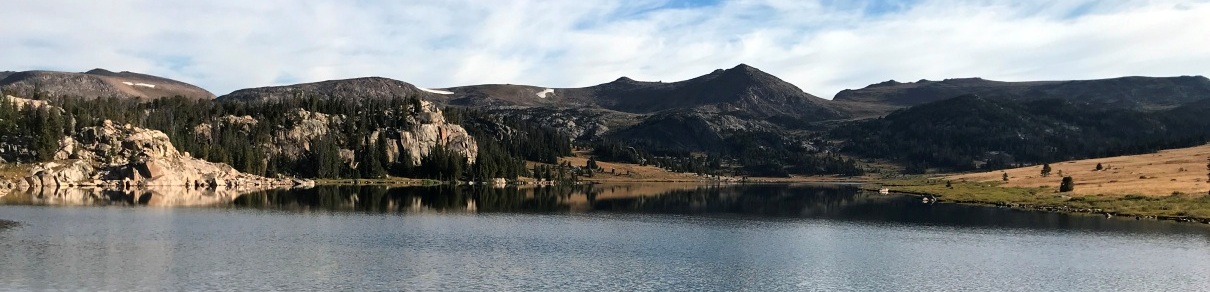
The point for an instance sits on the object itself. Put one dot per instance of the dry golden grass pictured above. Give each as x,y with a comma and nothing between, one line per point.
1157,174
637,173
13,172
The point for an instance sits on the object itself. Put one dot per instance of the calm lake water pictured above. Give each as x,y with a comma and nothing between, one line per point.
608,238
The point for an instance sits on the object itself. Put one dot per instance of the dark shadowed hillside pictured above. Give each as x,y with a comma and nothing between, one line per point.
972,132
1124,92
740,89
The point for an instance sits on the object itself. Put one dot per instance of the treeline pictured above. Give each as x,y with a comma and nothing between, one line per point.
30,133
970,133
514,136
346,151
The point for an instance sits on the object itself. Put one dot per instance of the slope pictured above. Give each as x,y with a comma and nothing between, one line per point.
1122,92
374,88
98,83
971,132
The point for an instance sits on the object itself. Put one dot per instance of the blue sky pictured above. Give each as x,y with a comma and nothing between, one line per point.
822,46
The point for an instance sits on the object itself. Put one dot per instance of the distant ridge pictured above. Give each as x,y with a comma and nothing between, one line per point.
742,89
344,89
1122,92
97,83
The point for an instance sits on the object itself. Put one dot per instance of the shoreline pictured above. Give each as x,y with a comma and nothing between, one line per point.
1178,208
991,195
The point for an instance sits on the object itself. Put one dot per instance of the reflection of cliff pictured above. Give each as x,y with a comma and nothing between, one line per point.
148,196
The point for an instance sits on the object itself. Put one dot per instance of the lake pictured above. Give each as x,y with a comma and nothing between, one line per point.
640,237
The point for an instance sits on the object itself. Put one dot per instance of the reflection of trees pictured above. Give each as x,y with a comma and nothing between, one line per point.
5,224
772,200
436,198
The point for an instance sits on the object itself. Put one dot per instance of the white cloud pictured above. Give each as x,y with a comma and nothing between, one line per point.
225,45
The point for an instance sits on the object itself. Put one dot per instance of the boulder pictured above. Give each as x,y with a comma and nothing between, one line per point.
52,174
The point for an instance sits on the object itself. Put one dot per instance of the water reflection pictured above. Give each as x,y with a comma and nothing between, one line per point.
822,201
140,196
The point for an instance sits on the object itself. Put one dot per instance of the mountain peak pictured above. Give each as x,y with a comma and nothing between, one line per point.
99,71
743,66
625,79
750,73
745,69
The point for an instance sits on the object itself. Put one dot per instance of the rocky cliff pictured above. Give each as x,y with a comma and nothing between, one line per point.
292,139
113,156
429,131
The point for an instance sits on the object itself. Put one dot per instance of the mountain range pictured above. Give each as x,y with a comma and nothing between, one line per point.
721,111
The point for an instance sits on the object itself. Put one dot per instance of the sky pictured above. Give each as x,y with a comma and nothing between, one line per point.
820,46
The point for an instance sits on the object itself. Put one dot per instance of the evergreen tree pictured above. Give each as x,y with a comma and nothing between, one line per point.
1067,185
1046,170
591,164
324,158
49,131
369,163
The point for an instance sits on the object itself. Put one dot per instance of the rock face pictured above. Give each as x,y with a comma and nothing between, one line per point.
428,130
21,103
98,83
111,155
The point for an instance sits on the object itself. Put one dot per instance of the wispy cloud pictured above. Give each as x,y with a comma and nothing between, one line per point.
821,46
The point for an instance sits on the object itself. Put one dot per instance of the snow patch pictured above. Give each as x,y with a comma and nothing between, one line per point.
545,92
435,91
138,84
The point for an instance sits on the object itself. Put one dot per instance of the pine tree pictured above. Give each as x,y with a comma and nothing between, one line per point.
49,131
1067,185
369,163
1046,170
